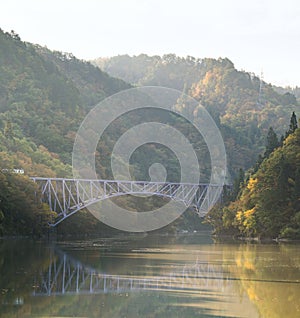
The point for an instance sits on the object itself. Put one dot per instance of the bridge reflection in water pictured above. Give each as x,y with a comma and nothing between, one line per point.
67,276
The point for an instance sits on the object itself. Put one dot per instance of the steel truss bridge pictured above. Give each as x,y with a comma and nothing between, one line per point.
67,276
68,196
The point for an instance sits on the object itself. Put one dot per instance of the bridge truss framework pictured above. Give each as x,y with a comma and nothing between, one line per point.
68,196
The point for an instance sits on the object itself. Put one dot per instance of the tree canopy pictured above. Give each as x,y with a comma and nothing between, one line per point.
269,202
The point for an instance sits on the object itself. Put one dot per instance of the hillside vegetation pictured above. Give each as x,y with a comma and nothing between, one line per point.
268,201
45,95
243,106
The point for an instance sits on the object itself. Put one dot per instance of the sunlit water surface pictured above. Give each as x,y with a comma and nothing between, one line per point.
149,276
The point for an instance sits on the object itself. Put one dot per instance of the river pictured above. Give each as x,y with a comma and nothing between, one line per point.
149,276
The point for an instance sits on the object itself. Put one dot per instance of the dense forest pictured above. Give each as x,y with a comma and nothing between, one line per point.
242,105
265,203
44,96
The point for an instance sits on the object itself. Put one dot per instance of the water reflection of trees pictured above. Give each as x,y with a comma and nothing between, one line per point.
269,275
20,261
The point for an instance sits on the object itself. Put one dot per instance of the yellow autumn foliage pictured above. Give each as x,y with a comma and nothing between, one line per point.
239,216
251,184
249,213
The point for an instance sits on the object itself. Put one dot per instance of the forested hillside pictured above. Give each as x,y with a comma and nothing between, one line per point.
44,96
267,202
242,105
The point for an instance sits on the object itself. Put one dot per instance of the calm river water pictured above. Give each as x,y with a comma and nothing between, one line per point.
149,276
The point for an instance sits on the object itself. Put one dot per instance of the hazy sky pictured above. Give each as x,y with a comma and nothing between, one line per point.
256,35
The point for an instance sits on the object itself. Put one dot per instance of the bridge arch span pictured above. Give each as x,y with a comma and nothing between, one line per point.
68,196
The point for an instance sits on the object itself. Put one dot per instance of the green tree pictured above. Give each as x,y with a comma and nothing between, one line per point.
237,184
272,142
293,124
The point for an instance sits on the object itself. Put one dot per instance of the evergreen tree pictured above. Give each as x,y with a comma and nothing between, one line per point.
293,125
296,193
237,184
260,159
272,142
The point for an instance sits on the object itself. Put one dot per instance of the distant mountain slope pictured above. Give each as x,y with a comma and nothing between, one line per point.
92,83
168,70
288,90
242,105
